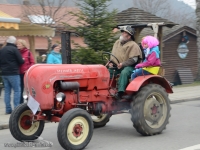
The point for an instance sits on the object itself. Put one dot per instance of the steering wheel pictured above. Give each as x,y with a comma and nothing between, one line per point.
110,61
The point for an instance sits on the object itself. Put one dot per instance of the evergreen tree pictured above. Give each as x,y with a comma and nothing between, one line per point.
95,24
86,56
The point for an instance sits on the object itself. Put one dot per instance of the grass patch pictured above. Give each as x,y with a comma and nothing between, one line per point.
195,83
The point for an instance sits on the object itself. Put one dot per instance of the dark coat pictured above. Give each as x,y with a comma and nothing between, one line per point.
10,60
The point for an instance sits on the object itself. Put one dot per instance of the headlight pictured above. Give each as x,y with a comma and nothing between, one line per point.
25,97
60,97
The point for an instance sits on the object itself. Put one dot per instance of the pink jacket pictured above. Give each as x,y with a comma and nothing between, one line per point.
28,61
152,59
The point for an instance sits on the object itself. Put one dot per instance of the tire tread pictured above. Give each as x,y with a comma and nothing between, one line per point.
136,108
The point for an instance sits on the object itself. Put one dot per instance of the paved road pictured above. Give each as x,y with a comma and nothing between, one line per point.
183,131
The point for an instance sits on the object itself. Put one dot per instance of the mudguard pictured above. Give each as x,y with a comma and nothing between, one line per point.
140,81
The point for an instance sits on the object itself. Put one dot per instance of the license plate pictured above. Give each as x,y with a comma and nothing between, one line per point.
33,104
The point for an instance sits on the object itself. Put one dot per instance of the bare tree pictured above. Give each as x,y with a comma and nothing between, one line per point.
186,19
49,13
198,34
162,8
153,6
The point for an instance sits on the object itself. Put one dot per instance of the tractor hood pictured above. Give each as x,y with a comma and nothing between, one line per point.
39,80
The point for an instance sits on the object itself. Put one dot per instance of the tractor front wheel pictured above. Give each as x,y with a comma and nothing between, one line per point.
150,110
75,129
21,125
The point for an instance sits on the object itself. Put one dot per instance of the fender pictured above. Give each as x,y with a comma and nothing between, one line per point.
140,81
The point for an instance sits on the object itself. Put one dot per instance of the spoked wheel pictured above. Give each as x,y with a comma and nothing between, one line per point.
21,125
101,120
150,110
75,129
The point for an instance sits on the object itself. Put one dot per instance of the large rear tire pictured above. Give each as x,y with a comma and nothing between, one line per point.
150,110
101,120
21,126
75,129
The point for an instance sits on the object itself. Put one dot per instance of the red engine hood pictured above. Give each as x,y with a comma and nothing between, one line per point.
39,79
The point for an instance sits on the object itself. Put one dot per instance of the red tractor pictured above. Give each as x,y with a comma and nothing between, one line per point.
80,98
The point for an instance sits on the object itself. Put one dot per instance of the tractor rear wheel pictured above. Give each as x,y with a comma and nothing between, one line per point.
150,110
21,126
101,120
75,129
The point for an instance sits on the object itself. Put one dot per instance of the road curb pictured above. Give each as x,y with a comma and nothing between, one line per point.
184,100
4,126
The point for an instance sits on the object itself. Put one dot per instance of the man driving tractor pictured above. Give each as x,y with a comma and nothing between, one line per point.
129,54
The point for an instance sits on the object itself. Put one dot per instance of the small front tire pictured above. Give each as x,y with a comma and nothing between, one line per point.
21,126
75,129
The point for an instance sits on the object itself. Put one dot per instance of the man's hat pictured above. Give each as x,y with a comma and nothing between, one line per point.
128,29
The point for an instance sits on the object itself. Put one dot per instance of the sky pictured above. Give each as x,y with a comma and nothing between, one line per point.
192,3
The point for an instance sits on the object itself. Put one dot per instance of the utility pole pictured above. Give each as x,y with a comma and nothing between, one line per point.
66,47
198,34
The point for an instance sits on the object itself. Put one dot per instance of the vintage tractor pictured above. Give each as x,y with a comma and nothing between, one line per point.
80,98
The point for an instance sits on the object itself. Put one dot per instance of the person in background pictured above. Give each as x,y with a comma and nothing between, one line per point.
10,61
28,62
54,56
4,44
44,59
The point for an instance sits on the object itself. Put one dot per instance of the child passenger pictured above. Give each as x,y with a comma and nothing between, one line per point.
152,56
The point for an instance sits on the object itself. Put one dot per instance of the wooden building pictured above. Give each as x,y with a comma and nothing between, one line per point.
180,70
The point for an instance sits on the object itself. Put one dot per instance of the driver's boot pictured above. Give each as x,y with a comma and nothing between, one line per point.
118,96
127,97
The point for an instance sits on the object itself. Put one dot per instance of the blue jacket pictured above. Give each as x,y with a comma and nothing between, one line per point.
54,58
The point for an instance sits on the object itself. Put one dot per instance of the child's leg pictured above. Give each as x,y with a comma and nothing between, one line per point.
135,74
139,72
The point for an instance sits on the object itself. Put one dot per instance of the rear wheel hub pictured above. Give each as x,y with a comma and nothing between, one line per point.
152,110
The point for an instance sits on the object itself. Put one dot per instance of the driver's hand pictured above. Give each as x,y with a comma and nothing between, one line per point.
110,65
119,66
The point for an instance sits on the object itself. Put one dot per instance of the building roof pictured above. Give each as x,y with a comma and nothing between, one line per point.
134,16
18,11
168,32
2,14
17,27
7,21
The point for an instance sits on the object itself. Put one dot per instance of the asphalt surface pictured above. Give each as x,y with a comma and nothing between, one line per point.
182,131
